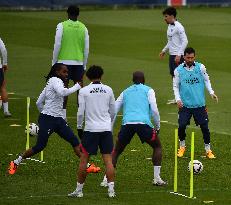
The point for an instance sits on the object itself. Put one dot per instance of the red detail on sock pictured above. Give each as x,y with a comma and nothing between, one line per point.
153,135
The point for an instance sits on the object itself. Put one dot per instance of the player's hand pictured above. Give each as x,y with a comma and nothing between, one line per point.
214,97
177,60
80,133
5,68
162,54
179,104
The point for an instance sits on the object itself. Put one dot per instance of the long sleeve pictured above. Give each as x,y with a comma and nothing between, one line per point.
86,49
206,79
62,91
183,39
154,109
3,52
165,49
57,45
81,110
41,100
118,105
112,107
176,82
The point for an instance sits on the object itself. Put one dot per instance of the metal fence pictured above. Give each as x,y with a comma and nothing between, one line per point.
64,3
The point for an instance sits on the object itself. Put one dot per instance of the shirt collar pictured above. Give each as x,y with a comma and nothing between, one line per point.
173,24
185,65
96,82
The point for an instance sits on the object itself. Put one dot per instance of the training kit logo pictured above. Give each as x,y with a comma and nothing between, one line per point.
192,81
98,90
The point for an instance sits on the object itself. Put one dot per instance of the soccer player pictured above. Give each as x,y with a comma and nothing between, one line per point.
139,102
3,69
177,41
97,105
189,82
71,48
50,104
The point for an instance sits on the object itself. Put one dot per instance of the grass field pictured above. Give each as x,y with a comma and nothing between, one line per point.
121,41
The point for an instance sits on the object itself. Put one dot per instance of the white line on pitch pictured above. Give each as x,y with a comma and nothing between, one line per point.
102,193
178,194
36,160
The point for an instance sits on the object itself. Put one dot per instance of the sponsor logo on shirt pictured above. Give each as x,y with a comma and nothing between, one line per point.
98,90
192,81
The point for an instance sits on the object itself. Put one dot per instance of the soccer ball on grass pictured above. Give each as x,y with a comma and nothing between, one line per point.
197,166
33,129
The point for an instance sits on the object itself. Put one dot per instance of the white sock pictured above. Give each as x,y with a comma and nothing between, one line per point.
79,186
182,143
18,161
207,147
157,172
64,114
111,186
5,106
105,178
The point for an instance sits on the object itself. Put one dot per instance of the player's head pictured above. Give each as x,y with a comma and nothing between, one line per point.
169,15
95,72
73,12
138,77
58,70
189,56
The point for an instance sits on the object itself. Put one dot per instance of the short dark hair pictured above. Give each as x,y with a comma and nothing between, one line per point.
73,10
138,77
189,50
94,72
170,11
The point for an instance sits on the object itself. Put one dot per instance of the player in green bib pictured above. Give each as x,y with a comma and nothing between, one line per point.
71,48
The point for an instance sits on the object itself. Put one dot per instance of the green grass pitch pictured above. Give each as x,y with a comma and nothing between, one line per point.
121,41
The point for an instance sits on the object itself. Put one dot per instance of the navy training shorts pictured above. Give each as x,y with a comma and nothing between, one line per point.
145,133
173,65
1,77
199,114
75,72
92,140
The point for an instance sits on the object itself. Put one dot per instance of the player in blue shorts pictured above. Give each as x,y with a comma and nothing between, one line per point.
50,104
189,82
139,103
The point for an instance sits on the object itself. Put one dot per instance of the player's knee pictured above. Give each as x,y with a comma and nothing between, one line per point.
204,126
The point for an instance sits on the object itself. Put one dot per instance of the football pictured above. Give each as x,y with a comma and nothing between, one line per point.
33,129
197,166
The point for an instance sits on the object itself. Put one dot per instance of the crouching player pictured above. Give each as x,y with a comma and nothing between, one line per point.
138,101
50,104
97,104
